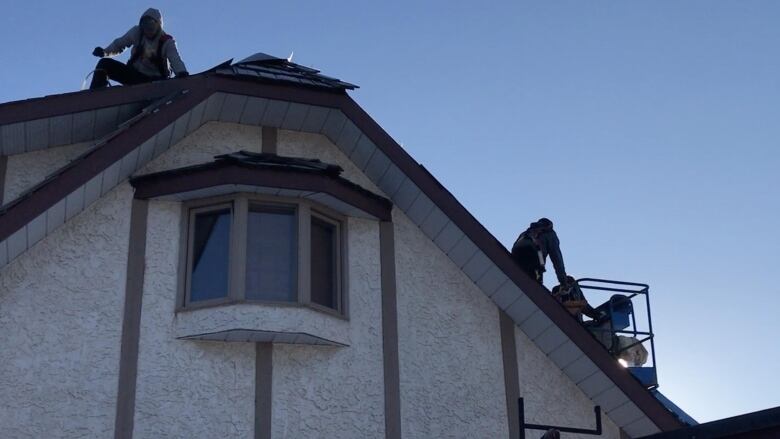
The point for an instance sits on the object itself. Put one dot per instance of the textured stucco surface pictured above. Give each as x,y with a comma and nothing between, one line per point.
61,321
263,317
452,382
185,389
26,170
308,145
213,138
551,398
338,392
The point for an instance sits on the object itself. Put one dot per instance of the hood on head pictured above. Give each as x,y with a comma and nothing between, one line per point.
543,223
153,13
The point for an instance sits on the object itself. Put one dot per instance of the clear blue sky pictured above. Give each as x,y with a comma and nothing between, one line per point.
648,131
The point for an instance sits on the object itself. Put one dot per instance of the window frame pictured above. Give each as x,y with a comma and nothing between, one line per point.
239,203
190,240
243,255
339,259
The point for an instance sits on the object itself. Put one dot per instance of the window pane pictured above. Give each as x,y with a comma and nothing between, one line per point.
271,262
323,263
210,252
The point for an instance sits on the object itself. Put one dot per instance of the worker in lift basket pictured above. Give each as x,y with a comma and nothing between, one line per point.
153,56
532,247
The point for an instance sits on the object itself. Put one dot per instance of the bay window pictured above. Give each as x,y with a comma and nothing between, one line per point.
250,248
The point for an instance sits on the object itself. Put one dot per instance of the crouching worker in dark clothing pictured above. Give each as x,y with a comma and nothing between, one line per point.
532,247
153,56
571,296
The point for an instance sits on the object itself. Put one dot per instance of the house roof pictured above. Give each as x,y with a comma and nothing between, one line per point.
266,68
241,98
756,425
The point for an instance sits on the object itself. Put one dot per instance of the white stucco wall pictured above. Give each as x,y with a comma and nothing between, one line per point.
213,138
317,146
452,382
60,324
550,397
26,170
327,392
186,389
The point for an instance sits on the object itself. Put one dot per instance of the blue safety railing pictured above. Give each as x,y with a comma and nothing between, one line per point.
620,311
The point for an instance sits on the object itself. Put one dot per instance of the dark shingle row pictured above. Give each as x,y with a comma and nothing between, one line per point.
266,68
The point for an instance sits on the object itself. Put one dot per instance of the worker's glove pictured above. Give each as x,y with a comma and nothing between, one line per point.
99,52
183,74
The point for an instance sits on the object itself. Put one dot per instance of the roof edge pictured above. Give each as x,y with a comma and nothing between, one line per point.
74,102
219,173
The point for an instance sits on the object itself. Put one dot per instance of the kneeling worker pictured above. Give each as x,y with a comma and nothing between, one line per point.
532,247
153,56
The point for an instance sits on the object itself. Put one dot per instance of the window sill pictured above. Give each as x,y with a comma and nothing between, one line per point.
227,302
278,322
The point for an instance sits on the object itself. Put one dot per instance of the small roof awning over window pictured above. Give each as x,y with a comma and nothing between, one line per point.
265,174
260,336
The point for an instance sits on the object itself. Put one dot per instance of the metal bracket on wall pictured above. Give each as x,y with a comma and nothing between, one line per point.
524,425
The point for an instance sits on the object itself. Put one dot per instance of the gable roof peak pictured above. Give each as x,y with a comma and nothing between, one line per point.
263,67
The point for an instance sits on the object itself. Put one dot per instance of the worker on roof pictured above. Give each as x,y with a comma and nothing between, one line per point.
153,56
532,247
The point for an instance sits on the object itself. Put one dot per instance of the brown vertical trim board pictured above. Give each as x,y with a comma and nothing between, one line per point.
511,377
390,331
131,321
264,369
270,136
3,168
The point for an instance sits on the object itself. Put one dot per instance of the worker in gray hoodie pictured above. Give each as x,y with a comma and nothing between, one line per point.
153,55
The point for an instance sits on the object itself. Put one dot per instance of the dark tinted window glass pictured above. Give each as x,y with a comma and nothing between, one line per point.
210,251
271,265
323,263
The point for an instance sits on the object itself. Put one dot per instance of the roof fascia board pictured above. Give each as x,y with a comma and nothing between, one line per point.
67,103
94,162
215,174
